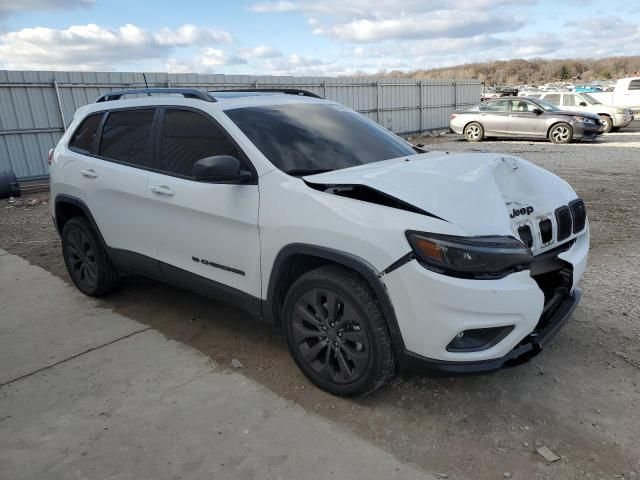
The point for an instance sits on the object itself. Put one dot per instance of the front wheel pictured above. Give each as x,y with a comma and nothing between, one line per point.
474,132
561,133
336,332
607,122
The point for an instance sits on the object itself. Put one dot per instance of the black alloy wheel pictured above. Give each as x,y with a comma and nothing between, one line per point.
328,332
337,333
86,259
82,259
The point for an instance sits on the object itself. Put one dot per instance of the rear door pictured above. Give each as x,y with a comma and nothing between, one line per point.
207,229
494,116
112,169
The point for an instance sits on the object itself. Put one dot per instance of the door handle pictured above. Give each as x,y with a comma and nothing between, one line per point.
162,190
89,173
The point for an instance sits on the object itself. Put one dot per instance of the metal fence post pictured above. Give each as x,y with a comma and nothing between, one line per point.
324,89
420,107
455,95
64,122
378,101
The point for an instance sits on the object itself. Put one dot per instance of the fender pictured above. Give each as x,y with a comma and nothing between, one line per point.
270,309
76,202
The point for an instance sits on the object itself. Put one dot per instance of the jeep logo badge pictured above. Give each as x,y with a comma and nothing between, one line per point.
521,211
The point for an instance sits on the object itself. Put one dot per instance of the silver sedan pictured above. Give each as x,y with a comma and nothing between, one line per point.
524,117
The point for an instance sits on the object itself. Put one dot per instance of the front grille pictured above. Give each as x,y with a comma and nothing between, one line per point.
524,232
579,214
565,222
546,230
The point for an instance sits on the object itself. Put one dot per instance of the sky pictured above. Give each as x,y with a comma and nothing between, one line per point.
306,37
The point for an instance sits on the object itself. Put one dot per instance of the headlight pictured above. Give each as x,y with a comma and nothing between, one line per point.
470,257
583,119
621,111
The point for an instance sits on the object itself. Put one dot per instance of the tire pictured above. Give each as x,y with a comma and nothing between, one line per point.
345,350
561,133
474,132
87,261
608,123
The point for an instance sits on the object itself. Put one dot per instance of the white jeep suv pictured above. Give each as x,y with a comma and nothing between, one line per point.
369,252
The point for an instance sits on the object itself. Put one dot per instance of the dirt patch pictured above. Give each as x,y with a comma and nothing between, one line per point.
581,397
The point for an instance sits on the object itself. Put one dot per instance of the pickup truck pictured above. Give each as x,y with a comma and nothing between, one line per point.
626,94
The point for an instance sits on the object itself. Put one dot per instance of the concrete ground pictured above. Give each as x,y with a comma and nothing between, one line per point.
86,393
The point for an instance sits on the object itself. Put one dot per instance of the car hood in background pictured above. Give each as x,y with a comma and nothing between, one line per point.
477,192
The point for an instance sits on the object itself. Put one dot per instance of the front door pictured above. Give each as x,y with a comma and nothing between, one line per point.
524,121
206,229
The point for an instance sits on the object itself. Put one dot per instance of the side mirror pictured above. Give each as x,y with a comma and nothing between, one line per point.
583,104
220,169
537,111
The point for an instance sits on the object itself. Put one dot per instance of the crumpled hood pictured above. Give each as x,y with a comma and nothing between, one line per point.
572,113
475,191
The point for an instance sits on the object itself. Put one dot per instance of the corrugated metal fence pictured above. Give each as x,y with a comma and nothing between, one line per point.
36,106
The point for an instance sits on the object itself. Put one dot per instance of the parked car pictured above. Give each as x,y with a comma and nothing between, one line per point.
368,252
524,117
626,94
612,117
586,89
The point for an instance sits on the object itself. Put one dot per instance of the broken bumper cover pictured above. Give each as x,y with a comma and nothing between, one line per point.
528,348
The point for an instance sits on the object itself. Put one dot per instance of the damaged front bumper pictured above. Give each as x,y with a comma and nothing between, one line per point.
529,307
528,348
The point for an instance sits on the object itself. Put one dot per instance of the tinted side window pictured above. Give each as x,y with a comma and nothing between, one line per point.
126,137
570,100
634,85
553,98
188,137
495,106
85,134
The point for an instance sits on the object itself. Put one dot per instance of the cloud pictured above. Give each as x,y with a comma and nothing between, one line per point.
261,51
9,7
440,24
94,47
363,21
354,9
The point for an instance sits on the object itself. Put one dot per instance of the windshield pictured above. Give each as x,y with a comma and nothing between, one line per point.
302,139
549,107
590,99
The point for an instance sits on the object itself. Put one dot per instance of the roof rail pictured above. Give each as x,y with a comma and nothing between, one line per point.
186,92
287,91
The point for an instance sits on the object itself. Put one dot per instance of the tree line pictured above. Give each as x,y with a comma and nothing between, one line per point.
534,71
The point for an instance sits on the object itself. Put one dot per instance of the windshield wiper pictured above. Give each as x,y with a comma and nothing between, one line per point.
303,172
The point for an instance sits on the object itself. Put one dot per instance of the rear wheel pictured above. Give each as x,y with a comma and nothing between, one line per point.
608,123
87,261
561,133
336,332
474,132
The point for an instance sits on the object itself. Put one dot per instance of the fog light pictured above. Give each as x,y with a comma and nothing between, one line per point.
478,339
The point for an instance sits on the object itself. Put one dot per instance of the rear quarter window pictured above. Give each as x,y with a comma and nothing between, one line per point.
85,135
553,98
634,85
